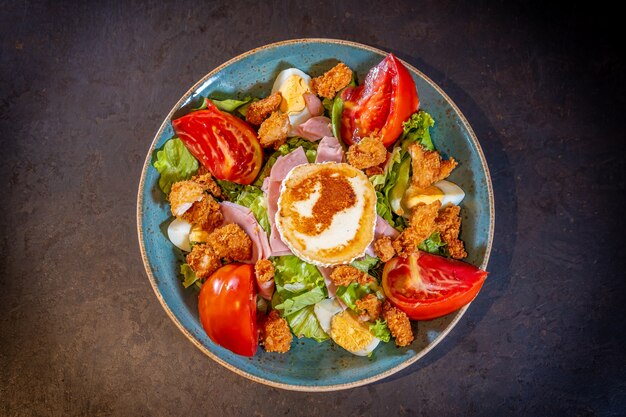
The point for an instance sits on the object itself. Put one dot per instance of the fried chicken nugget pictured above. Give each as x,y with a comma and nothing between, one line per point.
332,81
448,223
205,180
203,260
275,334
204,213
345,275
264,270
421,225
383,248
183,195
399,324
274,130
260,110
367,153
230,242
371,306
428,167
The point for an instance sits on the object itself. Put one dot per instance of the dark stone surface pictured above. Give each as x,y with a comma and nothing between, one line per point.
83,89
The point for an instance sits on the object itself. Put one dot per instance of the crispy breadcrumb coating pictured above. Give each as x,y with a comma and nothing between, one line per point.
371,306
203,260
377,170
448,223
332,81
205,180
367,153
230,242
260,110
275,334
399,324
205,213
428,167
345,275
264,270
182,196
274,130
421,225
384,248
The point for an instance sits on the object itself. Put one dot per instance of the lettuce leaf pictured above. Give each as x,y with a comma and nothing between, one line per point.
380,330
433,244
353,292
175,163
229,105
299,285
366,263
248,196
189,276
416,129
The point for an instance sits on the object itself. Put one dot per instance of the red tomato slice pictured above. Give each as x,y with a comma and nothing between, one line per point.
428,286
226,145
387,98
227,306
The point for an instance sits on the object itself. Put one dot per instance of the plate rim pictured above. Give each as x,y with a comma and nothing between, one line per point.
187,333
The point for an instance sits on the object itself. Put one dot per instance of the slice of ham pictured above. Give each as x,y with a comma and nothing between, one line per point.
315,128
383,228
313,104
266,289
234,213
329,150
271,187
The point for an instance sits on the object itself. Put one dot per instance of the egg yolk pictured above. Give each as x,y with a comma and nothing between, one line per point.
292,91
348,333
414,196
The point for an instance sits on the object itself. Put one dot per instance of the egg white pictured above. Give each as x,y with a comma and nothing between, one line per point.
178,233
295,119
452,193
325,310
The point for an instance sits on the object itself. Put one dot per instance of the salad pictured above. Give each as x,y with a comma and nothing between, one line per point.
321,210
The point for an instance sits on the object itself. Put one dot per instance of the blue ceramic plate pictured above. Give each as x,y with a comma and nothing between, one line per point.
310,366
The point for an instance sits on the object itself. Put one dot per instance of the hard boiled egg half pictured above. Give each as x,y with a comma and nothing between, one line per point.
344,328
445,191
293,84
182,234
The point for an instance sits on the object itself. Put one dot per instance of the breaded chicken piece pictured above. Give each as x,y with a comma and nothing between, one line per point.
345,275
377,170
367,153
264,270
332,81
399,324
275,334
204,213
205,180
203,260
428,167
183,195
421,225
448,223
370,306
260,110
230,242
383,248
274,130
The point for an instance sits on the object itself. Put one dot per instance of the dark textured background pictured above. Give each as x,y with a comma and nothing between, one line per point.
83,89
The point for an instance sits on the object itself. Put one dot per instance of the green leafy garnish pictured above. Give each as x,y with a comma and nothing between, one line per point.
416,129
229,105
310,150
380,330
353,292
175,163
366,263
433,244
248,196
189,276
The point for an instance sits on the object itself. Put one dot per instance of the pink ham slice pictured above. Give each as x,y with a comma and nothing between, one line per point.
271,187
383,228
234,213
313,104
314,129
329,150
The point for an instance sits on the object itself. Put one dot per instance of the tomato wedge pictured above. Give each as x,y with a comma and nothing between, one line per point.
226,145
427,286
387,98
227,306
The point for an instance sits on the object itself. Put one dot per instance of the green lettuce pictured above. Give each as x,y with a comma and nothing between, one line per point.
353,292
416,129
366,263
380,330
433,244
189,276
229,105
248,196
299,285
175,163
